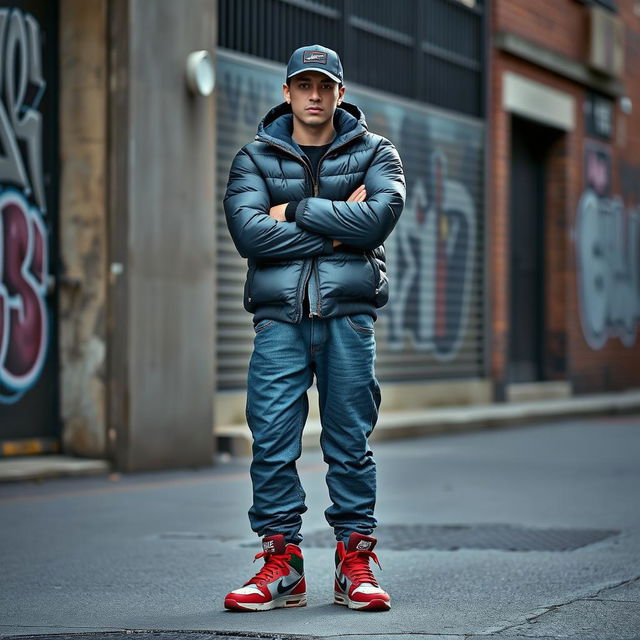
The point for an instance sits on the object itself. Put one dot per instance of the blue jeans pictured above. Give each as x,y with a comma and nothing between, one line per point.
341,353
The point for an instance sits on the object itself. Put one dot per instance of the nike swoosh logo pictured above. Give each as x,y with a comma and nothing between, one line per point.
342,581
283,588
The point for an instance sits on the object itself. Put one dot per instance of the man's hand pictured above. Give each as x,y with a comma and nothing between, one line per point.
359,195
277,212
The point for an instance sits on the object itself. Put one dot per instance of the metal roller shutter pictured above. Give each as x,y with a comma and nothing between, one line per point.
433,326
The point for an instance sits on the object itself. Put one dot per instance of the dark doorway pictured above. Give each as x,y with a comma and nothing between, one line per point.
530,144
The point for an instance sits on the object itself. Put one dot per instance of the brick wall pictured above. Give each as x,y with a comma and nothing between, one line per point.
562,27
615,366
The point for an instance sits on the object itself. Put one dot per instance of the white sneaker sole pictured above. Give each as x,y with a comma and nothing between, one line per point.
299,600
376,604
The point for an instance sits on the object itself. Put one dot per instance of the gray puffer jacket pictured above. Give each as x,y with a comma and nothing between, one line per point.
287,259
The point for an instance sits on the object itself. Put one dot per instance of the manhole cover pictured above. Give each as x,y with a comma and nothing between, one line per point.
504,537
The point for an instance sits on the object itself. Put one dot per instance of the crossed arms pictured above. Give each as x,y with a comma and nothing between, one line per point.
278,212
362,221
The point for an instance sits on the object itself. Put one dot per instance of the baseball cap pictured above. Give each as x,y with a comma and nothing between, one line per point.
315,57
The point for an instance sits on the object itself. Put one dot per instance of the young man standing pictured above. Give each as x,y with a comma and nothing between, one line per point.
309,203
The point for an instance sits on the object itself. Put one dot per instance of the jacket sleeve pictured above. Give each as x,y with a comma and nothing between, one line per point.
256,234
364,225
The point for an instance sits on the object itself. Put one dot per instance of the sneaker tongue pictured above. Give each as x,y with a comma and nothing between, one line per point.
358,542
274,544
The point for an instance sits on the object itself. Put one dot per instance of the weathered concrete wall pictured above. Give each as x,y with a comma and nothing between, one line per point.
162,236
83,230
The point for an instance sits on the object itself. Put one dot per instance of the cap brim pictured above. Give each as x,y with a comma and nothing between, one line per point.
323,71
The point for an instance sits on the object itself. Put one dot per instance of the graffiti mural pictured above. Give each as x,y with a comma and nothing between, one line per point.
24,263
431,255
433,323
607,243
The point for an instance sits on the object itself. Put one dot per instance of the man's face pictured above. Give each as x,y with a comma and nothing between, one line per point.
314,97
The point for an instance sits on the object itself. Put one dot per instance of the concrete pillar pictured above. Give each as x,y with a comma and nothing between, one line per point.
83,225
162,231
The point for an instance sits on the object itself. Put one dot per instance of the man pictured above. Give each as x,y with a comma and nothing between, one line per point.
309,203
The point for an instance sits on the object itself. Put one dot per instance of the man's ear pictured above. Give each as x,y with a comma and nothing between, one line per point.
286,93
341,94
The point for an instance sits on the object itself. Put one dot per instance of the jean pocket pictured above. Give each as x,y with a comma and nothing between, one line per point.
262,324
361,322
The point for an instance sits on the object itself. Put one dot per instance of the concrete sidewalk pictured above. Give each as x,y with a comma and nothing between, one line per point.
528,532
236,439
406,424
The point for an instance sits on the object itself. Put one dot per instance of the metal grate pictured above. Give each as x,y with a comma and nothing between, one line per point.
427,50
504,537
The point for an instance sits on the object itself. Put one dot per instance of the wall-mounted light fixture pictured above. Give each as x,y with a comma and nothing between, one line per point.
201,77
626,105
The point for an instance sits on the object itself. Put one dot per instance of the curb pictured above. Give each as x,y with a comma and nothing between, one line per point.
23,468
236,438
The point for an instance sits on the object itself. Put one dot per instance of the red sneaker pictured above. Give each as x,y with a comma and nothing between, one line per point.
280,582
355,584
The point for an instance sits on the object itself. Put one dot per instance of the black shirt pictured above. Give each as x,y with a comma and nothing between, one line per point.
313,153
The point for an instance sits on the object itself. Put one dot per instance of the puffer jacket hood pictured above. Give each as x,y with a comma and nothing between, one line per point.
330,259
277,125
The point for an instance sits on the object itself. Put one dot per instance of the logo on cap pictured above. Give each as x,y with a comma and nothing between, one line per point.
317,57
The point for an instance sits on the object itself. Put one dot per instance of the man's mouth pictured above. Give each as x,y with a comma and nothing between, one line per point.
314,109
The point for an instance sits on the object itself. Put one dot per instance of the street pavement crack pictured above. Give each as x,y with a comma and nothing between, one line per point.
473,636
420,634
612,600
615,586
543,611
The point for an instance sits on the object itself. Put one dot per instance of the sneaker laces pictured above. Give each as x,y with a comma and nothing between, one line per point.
357,564
274,567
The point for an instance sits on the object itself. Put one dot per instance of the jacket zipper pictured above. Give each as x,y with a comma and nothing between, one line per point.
302,285
314,184
376,271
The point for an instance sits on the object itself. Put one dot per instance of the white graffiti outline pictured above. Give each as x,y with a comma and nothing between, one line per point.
607,249
20,121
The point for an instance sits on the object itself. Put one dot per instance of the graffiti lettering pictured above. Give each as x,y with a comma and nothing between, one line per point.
24,260
607,239
23,275
22,87
430,259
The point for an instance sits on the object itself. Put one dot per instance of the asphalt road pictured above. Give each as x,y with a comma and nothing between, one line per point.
159,551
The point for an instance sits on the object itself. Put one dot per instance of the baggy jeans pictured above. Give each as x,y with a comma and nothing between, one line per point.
341,353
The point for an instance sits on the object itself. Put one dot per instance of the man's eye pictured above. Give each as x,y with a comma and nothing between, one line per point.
304,85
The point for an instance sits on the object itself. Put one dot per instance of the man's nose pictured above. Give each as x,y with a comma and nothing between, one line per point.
315,94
